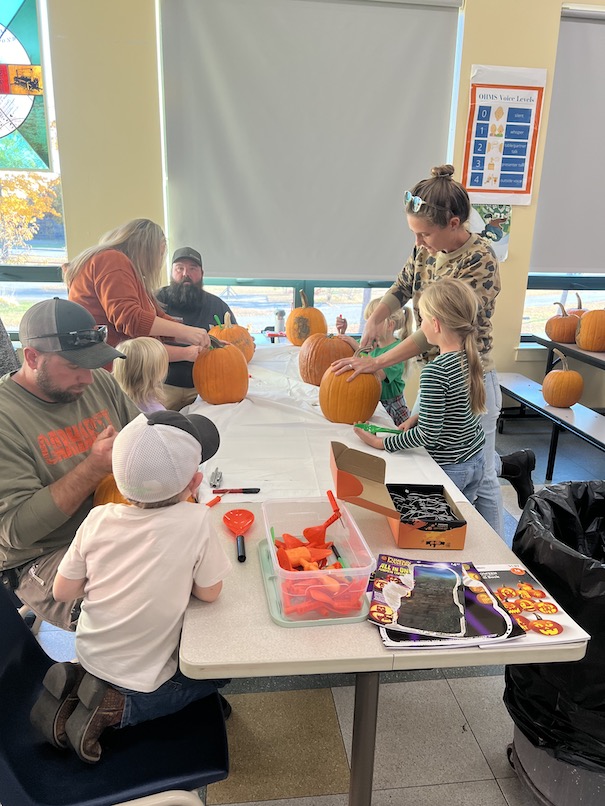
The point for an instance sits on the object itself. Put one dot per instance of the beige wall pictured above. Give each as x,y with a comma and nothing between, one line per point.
105,81
108,124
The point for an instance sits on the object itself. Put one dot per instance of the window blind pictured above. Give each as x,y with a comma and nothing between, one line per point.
569,215
292,128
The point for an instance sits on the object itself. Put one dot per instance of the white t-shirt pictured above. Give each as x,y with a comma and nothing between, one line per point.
139,565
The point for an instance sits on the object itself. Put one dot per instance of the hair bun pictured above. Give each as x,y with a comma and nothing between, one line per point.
441,171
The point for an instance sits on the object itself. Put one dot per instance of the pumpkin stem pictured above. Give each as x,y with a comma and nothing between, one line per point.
303,296
563,311
563,359
579,301
217,319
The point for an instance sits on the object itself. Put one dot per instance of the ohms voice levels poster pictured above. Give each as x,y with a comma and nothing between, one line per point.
502,133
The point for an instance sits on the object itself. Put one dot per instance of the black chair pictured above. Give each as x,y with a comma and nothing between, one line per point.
159,762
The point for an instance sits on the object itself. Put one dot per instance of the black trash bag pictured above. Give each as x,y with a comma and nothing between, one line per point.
561,706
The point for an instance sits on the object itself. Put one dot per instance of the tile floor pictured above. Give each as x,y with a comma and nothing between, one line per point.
442,734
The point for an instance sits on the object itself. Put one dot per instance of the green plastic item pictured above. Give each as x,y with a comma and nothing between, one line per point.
374,429
274,601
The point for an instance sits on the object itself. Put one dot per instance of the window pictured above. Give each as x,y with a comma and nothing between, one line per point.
31,210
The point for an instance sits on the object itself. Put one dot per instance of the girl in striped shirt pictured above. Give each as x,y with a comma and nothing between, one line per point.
452,391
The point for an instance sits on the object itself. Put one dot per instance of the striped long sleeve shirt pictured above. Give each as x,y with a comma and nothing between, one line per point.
446,426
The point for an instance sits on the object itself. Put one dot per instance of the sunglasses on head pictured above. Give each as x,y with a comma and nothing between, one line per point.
77,338
416,202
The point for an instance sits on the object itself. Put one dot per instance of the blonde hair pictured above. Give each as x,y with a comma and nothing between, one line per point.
143,371
455,306
402,318
141,240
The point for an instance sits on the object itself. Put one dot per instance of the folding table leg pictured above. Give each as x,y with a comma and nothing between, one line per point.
364,738
554,440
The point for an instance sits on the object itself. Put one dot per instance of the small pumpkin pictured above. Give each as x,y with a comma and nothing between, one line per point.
579,311
304,322
343,402
590,333
562,326
563,387
107,492
318,352
234,334
220,374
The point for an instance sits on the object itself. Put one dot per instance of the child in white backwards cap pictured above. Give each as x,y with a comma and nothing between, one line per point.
136,567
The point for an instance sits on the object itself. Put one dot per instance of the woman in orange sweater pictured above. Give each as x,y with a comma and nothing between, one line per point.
116,281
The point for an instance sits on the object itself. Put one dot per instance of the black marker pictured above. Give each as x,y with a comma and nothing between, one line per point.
241,549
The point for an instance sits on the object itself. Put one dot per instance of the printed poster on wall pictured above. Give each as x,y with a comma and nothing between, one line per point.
492,222
502,133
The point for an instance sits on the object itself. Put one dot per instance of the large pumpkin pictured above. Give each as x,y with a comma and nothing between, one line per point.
234,334
590,333
304,322
220,375
353,402
579,311
318,352
562,326
563,387
107,492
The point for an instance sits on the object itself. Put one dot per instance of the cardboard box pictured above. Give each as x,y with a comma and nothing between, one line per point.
359,479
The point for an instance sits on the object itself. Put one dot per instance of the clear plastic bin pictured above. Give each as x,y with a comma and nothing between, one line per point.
328,594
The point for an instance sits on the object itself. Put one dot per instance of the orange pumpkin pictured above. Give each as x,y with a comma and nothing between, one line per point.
318,352
220,375
579,311
563,387
107,492
590,333
304,322
234,334
562,326
353,402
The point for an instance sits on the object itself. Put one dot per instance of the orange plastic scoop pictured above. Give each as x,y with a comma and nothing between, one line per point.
238,521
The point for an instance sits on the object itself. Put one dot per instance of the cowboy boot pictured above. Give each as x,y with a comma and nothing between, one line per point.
57,702
100,706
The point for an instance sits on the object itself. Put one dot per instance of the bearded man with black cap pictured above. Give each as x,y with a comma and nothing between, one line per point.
59,416
187,299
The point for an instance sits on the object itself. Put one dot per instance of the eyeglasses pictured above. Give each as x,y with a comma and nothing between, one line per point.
417,202
77,338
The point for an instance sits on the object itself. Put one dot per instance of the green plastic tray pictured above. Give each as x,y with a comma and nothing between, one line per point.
274,600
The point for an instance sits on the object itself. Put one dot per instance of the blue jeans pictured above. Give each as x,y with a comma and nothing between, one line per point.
467,475
488,499
170,697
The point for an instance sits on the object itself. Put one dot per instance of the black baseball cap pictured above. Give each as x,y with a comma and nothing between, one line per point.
201,428
189,253
69,330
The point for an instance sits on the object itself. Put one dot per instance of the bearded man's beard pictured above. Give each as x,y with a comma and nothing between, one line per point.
187,296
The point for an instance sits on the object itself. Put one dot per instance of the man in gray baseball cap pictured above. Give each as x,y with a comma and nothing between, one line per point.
59,416
69,330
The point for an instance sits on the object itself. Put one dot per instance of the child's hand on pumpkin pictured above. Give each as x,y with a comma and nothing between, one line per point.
349,340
